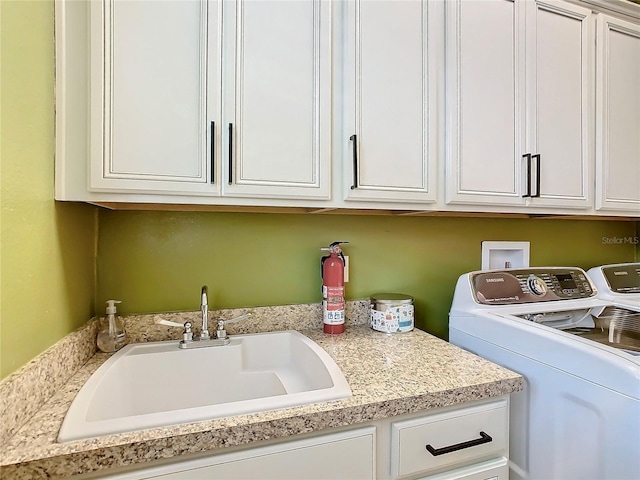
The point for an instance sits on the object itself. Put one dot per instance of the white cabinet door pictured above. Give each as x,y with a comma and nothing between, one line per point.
276,94
618,123
485,102
520,103
389,149
154,76
348,455
560,92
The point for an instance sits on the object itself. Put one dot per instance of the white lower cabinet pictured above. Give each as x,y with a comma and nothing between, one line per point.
348,455
468,442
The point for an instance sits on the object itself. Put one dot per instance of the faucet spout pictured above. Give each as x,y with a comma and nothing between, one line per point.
204,308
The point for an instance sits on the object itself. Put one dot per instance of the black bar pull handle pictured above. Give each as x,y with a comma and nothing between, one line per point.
537,158
484,438
528,157
213,152
230,153
354,139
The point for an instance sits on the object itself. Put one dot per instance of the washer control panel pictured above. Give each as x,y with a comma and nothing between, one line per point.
526,285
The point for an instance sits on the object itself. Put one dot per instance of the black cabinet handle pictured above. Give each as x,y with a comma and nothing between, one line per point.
528,157
213,152
354,139
484,438
230,153
537,157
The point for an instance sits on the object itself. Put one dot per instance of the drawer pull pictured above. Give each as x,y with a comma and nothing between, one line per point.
484,438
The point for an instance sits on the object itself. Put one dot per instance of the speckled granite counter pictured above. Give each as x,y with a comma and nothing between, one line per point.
388,374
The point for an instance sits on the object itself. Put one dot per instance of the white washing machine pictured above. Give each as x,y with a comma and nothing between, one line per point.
578,416
618,283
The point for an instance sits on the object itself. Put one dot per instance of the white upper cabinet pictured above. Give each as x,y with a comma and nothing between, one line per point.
560,94
462,105
276,96
519,103
195,101
389,122
154,82
618,122
485,102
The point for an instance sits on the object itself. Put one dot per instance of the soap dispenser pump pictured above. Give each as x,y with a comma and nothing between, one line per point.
112,336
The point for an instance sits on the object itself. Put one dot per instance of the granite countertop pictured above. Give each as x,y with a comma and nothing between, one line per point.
389,375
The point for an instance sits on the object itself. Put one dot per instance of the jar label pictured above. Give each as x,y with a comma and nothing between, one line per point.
393,319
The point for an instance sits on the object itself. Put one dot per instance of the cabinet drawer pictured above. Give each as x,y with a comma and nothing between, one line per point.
449,438
497,469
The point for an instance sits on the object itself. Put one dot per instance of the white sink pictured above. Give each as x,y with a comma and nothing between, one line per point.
149,385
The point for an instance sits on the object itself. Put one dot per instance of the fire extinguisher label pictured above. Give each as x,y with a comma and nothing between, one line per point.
333,312
332,292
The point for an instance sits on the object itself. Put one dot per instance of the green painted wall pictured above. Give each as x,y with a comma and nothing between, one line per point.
157,261
47,283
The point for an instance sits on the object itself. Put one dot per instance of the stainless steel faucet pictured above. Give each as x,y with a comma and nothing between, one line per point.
205,339
204,308
220,334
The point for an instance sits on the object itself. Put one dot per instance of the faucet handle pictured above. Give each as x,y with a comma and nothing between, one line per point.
238,318
187,335
221,333
169,323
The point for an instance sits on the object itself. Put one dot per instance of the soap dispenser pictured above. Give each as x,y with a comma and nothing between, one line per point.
112,335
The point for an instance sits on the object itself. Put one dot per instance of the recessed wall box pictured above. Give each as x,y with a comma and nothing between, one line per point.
498,255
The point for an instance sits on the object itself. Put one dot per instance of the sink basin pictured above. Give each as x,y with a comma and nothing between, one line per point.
148,385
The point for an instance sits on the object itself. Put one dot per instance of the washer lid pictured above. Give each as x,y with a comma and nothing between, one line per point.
624,278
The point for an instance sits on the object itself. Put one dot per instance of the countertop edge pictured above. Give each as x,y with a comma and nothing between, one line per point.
216,439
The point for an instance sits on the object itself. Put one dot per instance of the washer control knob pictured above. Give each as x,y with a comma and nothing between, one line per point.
536,285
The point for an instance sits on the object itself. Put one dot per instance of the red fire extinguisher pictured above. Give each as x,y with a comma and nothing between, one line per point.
333,289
